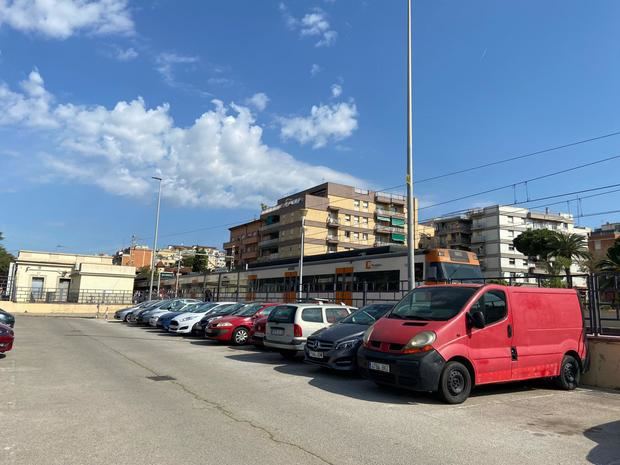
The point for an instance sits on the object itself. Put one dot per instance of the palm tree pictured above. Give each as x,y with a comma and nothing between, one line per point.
570,246
611,263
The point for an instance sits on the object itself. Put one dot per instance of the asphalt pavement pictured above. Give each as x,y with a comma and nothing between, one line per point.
88,392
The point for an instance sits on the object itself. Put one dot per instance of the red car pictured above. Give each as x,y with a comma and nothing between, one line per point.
6,338
236,328
257,333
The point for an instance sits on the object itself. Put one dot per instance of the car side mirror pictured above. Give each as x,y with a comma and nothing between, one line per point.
476,318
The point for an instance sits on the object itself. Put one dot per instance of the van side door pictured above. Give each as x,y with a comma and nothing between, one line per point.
490,346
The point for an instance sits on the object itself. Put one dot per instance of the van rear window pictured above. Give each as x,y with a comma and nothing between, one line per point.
283,314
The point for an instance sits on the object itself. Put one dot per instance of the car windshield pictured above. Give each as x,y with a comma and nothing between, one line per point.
232,309
437,303
201,307
177,304
250,310
368,315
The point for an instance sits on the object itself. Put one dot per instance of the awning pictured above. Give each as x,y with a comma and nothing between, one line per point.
383,218
398,222
398,237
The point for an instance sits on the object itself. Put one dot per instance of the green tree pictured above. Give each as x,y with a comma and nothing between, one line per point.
554,268
611,262
188,261
535,243
144,273
5,258
200,261
571,247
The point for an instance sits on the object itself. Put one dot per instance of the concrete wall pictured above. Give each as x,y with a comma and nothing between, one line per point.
604,363
60,309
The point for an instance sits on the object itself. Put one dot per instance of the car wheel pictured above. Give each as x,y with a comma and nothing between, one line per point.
455,383
126,319
570,373
240,336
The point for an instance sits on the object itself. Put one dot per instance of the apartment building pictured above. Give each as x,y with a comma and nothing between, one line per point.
169,256
242,248
490,233
601,239
336,218
139,256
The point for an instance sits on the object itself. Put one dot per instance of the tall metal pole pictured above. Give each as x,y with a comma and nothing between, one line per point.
411,245
176,283
301,257
155,241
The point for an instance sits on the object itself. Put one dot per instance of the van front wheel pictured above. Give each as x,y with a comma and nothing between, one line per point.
570,373
455,383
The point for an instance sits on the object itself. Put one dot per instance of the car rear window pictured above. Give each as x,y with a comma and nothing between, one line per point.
283,314
312,315
334,315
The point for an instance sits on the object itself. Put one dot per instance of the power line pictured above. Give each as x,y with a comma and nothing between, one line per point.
599,213
537,178
518,157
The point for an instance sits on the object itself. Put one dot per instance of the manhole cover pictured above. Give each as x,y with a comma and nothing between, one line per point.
160,378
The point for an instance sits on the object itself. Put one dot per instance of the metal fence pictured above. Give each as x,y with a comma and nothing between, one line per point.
83,296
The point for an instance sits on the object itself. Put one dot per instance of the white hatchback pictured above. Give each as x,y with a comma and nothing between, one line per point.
184,323
288,326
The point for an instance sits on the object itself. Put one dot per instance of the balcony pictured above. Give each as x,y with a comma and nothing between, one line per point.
229,245
332,221
395,199
389,229
395,214
270,257
270,227
269,242
332,239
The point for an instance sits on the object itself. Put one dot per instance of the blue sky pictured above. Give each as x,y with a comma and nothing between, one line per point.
240,102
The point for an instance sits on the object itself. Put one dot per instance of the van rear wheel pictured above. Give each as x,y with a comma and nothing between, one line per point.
570,373
455,383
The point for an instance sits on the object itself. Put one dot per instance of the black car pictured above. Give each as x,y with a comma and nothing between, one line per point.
221,310
336,347
6,318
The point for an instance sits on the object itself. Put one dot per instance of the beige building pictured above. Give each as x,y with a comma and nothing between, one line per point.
61,277
337,218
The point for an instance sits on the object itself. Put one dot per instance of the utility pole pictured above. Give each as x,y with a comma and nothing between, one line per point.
155,240
176,284
410,200
301,255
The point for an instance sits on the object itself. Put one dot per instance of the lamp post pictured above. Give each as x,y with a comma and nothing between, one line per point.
301,254
176,283
410,200
155,241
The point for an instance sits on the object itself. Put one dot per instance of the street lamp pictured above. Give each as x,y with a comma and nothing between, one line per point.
410,201
155,241
304,212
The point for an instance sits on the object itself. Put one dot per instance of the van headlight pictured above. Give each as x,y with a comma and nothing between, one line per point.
366,336
421,342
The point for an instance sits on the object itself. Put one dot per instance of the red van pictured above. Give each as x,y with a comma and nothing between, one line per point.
449,338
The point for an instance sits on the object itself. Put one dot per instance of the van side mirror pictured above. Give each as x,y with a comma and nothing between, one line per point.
476,318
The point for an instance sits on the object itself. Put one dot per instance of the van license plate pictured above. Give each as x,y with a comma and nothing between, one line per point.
379,366
277,331
314,354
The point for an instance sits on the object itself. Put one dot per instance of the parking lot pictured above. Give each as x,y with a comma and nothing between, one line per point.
79,391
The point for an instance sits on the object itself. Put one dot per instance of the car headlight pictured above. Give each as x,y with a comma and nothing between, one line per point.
348,344
366,336
187,318
421,342
223,325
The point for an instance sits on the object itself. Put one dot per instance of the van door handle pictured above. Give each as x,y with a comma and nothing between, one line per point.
509,330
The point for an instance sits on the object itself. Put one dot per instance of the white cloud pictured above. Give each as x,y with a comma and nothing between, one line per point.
325,123
315,69
126,55
336,90
313,24
258,101
165,63
220,160
60,19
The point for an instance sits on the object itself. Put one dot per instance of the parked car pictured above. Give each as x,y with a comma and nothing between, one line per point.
257,332
336,347
288,326
225,308
123,313
184,323
175,305
236,328
134,315
6,318
7,336
450,338
163,320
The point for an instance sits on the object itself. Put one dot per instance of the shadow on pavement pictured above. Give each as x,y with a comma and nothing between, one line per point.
607,437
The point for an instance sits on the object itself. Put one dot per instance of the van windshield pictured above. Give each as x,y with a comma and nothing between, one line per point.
436,303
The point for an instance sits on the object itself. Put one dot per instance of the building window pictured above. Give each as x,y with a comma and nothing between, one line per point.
365,236
356,236
365,205
347,234
512,261
356,203
356,220
525,263
347,218
365,221
511,219
511,233
511,247
597,245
